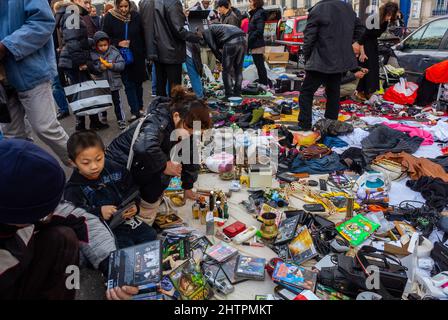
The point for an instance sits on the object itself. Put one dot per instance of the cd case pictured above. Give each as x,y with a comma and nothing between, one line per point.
250,267
135,266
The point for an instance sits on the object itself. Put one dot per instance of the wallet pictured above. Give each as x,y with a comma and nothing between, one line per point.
234,229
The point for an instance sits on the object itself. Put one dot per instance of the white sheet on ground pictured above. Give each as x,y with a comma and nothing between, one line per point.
399,192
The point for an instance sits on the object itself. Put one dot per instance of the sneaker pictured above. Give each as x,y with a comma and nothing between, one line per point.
62,115
133,118
99,126
122,124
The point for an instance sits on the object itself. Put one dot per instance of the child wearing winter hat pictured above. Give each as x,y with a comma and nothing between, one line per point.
108,63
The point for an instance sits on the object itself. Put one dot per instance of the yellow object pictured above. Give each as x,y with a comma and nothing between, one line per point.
105,63
244,180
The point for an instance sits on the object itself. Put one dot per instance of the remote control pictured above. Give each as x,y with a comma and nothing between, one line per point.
245,235
314,207
323,184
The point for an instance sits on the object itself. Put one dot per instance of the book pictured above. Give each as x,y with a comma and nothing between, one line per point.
357,229
164,221
302,247
250,267
221,252
190,282
294,276
135,266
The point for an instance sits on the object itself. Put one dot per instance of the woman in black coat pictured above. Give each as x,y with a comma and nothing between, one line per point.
255,40
369,57
135,73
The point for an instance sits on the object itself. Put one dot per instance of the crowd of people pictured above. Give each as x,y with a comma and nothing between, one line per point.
42,50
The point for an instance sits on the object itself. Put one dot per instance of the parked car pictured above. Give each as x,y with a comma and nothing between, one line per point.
274,14
291,29
424,47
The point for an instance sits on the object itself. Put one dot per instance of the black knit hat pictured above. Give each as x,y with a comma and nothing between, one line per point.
31,182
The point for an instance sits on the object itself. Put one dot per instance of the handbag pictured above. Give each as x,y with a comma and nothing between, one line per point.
440,256
127,54
389,168
89,97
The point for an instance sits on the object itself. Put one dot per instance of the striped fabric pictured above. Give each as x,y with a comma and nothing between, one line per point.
89,97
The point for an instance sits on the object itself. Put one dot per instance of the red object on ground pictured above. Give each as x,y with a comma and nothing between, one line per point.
438,73
234,229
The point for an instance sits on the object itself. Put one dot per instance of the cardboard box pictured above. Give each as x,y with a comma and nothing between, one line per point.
274,49
277,57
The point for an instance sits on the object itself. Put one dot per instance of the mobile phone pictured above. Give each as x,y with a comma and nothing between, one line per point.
323,184
315,207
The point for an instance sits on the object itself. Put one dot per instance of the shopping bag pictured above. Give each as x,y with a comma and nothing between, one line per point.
403,92
89,97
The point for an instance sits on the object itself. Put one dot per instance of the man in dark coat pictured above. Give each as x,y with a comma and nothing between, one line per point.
331,36
226,14
232,41
165,34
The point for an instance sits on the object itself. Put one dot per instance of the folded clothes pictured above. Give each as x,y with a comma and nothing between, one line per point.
416,167
333,127
334,142
433,190
327,164
383,139
412,132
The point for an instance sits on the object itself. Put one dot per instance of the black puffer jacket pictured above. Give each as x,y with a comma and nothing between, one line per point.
331,28
256,29
75,41
152,147
164,29
218,34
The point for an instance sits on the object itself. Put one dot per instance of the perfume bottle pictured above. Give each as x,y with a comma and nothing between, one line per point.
195,210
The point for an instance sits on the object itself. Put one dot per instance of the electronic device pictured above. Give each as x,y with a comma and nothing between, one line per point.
285,294
314,207
245,235
287,177
221,284
323,184
312,183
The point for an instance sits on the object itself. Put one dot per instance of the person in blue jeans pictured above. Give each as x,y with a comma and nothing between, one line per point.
59,97
193,65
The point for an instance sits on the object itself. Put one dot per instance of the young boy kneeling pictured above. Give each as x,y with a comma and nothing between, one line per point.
100,186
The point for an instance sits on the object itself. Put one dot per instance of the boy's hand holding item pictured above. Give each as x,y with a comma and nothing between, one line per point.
173,169
83,67
124,43
123,293
105,64
108,211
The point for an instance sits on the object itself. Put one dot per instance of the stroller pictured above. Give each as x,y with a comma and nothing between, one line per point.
388,74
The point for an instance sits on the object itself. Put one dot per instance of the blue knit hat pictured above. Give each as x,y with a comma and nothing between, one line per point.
31,182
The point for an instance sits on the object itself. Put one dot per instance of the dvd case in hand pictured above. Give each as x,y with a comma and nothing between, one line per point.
135,266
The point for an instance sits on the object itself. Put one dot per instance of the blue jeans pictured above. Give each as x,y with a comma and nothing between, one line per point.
59,95
195,78
153,80
134,93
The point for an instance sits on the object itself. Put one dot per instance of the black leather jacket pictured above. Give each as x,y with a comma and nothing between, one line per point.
76,49
218,34
331,28
164,29
152,147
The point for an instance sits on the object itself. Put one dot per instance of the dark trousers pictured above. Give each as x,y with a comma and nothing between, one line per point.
261,69
75,77
313,80
54,249
233,59
151,186
134,94
128,237
167,74
117,105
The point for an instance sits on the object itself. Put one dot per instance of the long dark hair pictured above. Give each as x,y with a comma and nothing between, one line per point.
389,8
189,107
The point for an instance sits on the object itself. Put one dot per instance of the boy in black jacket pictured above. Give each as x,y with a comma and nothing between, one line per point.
100,186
